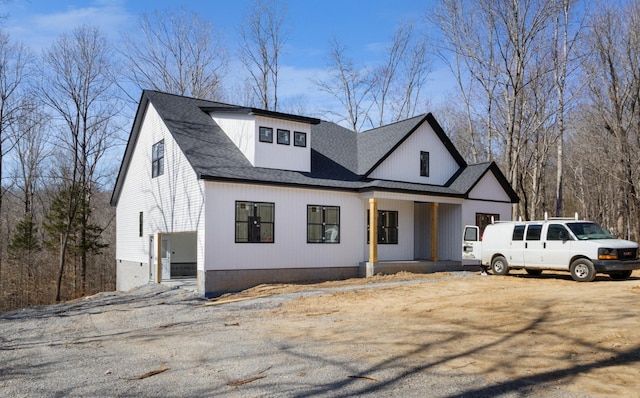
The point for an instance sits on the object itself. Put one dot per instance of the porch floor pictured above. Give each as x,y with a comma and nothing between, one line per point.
415,266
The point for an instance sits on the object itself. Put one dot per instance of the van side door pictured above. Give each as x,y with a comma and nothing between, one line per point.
516,250
533,246
557,247
471,246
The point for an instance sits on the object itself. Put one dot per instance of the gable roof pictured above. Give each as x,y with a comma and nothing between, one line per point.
340,158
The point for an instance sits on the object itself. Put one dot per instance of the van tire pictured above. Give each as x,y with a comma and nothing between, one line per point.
620,275
499,265
582,270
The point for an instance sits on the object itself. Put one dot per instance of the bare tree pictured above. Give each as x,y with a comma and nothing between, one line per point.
502,46
612,72
77,86
176,52
349,85
14,61
397,83
564,66
262,40
469,50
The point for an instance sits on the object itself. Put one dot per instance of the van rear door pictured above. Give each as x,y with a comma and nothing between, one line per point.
471,246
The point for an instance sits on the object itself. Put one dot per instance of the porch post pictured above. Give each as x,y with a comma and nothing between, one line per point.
373,230
434,231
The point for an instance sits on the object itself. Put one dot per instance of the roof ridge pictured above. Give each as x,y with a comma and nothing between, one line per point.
422,116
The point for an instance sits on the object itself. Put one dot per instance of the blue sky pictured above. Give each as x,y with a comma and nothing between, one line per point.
364,26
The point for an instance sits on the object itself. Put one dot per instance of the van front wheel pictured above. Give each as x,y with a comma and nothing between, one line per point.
499,265
582,270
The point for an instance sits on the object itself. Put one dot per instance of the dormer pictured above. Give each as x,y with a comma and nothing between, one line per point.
268,139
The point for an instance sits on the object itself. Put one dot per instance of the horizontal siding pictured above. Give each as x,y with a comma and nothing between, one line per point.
404,163
172,202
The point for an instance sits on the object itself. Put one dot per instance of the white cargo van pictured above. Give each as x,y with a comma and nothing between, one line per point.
581,247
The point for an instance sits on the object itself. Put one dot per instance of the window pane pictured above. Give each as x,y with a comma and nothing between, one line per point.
392,220
518,232
266,232
314,233
265,211
332,215
265,134
533,232
283,136
242,232
314,214
300,139
332,234
424,164
392,235
243,211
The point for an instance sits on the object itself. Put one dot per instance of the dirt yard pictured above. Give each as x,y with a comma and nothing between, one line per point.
581,337
440,335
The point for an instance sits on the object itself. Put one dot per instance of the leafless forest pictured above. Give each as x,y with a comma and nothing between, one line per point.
549,89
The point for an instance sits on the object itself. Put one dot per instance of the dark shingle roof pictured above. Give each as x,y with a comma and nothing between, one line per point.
340,158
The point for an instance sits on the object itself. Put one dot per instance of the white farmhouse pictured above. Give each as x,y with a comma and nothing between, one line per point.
237,196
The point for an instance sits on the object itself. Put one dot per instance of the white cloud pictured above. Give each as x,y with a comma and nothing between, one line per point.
38,30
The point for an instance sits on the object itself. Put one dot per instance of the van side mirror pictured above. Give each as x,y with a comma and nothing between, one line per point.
564,235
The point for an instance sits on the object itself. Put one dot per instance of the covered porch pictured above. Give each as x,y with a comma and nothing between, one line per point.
429,236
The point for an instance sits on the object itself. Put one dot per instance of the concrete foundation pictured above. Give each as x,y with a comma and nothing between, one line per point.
215,283
130,274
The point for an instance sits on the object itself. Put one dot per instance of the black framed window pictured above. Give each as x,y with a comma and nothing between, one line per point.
284,137
265,134
299,138
424,164
387,227
157,159
323,224
255,222
140,224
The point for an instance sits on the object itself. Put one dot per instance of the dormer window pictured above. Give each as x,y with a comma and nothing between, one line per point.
299,138
265,134
424,164
284,136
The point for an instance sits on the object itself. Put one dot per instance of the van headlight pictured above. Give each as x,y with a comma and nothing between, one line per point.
607,254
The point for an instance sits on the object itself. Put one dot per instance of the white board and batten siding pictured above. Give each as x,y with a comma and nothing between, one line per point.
404,250
290,248
244,130
241,129
280,156
404,163
171,202
487,197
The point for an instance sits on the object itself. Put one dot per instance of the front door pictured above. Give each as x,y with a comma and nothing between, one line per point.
165,252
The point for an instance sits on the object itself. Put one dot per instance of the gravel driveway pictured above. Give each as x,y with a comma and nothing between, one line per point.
160,341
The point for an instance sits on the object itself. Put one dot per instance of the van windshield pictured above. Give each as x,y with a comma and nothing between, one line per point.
589,230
